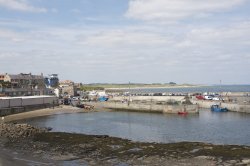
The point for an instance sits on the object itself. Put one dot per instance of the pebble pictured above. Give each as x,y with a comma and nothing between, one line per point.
194,150
208,147
232,161
134,150
246,161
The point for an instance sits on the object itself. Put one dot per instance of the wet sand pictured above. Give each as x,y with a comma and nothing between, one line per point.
44,112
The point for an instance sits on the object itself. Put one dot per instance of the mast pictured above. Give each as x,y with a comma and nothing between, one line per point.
128,92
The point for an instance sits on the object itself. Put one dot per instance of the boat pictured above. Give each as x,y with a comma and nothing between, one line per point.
103,98
182,112
217,108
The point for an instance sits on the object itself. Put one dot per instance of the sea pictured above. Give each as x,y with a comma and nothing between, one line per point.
199,89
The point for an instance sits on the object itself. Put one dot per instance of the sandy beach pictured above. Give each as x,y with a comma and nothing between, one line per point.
62,109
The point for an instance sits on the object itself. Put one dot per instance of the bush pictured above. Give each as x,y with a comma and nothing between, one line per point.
90,88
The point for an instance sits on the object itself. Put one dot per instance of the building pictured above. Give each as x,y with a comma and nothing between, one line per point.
25,80
68,88
23,84
66,83
2,77
52,81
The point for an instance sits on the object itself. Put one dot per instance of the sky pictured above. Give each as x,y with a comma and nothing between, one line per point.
121,41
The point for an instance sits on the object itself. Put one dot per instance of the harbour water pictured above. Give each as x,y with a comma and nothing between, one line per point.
217,128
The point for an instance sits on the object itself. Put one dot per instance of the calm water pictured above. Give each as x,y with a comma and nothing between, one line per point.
216,88
217,128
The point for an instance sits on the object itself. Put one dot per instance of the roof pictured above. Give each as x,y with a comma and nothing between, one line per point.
27,97
25,76
66,82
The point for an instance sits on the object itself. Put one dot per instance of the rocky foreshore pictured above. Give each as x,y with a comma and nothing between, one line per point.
83,149
16,131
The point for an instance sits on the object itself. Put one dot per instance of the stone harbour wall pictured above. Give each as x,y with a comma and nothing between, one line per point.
147,107
234,107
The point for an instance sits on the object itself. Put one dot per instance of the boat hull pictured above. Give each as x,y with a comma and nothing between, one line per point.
216,108
182,113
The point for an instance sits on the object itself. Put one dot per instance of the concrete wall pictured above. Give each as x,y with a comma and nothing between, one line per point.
9,102
13,105
4,103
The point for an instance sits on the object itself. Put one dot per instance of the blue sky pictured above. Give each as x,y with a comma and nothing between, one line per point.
119,41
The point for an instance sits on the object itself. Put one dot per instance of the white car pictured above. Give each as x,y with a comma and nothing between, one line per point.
217,98
208,97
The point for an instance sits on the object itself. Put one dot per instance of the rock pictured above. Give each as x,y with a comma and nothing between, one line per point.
115,147
134,150
232,161
246,161
64,157
194,150
205,157
84,146
16,131
208,148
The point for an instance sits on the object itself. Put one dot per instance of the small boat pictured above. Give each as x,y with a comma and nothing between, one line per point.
103,98
182,112
217,108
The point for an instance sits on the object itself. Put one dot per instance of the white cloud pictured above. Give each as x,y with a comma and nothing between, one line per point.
10,35
21,5
126,52
125,38
174,10
235,35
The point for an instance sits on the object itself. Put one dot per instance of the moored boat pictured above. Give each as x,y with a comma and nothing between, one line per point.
217,108
103,98
182,112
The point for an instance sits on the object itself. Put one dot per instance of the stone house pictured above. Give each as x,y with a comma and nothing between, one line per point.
24,84
68,88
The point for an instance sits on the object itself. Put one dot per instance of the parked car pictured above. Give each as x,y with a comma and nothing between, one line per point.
217,98
66,101
207,97
200,97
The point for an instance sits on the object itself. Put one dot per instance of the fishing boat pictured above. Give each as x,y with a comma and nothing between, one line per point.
217,108
182,112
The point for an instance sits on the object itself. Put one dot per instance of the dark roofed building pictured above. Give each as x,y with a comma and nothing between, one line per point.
25,80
